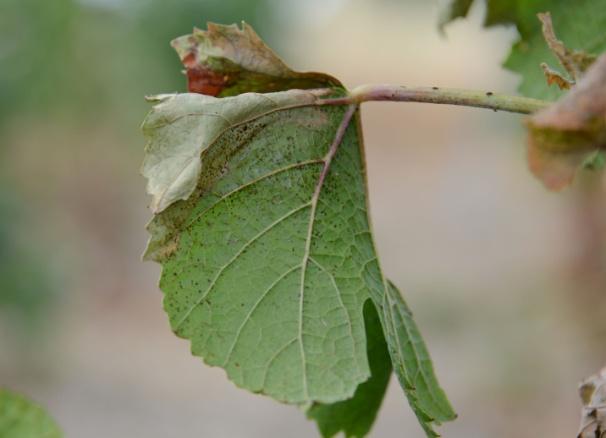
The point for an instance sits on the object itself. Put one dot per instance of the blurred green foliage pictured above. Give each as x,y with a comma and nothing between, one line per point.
27,286
579,27
96,57
22,418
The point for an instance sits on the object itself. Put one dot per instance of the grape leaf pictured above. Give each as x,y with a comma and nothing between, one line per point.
579,24
261,227
20,418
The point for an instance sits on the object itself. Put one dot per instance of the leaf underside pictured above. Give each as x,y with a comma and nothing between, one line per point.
20,418
268,259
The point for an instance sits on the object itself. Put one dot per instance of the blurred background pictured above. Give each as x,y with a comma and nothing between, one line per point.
506,279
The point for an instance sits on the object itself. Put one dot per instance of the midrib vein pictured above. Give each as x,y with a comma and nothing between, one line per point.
312,217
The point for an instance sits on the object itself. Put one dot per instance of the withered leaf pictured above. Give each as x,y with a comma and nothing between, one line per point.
554,77
593,416
562,135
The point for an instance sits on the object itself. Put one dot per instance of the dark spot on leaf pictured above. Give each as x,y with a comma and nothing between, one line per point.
489,93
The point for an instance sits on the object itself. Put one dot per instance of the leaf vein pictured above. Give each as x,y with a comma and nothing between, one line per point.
274,357
341,304
253,308
235,257
250,183
312,216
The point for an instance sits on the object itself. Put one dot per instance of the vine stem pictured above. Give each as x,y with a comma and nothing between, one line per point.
448,96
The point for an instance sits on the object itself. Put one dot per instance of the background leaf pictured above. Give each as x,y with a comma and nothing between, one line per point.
579,24
564,135
21,418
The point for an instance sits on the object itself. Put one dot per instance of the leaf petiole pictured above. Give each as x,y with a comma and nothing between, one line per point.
448,96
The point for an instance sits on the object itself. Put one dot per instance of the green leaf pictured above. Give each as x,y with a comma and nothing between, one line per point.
412,362
266,265
580,26
20,418
268,261
254,275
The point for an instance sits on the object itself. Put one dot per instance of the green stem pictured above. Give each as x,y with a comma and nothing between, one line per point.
448,96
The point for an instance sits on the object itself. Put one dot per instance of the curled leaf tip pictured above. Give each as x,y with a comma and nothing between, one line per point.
554,77
226,60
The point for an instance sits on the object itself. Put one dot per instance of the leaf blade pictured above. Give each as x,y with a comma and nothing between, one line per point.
413,365
298,210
